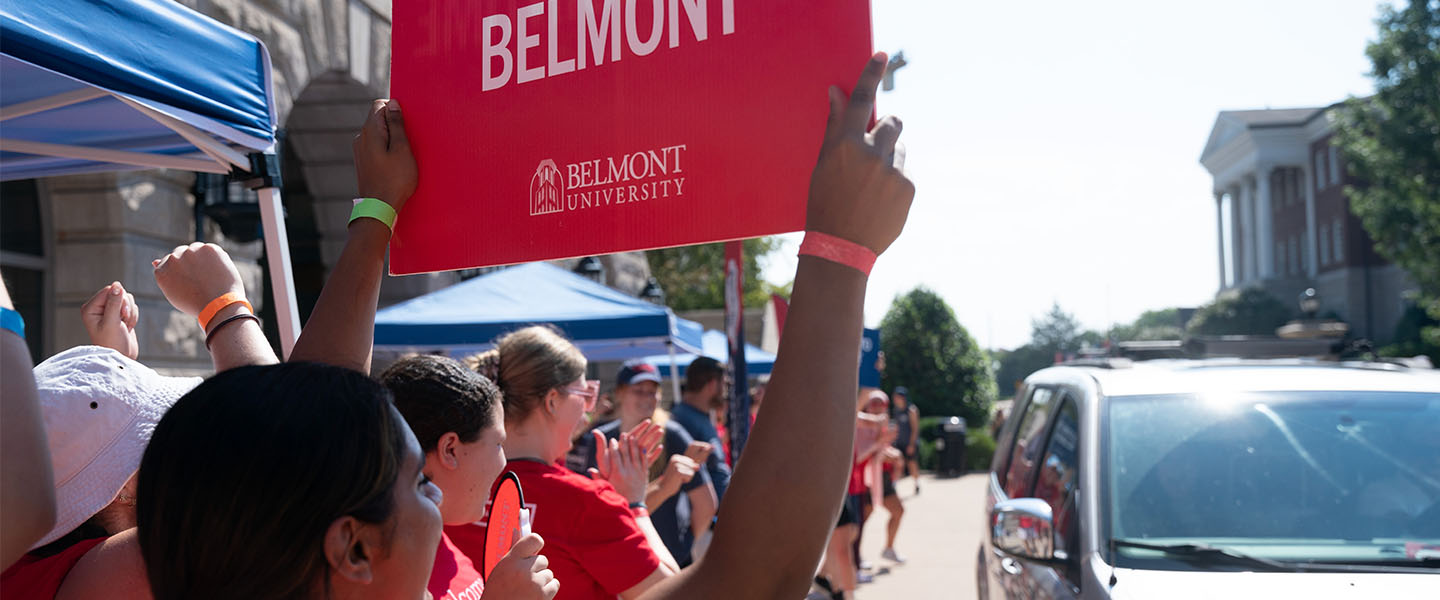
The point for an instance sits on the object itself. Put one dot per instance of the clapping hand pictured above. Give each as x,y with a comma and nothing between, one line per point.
625,462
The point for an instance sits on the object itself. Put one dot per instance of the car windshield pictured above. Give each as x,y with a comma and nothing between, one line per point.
1308,476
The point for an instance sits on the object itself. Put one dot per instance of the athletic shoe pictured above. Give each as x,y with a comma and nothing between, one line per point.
864,578
866,565
890,554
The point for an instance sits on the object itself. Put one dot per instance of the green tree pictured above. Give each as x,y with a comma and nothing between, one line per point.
1057,331
1250,312
929,352
1391,144
693,277
1163,324
1018,364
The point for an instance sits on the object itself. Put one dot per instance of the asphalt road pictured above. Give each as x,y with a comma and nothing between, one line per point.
938,536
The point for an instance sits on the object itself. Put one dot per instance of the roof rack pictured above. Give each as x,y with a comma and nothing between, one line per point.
1233,346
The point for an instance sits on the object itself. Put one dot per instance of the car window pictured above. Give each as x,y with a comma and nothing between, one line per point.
1029,438
1332,475
1059,476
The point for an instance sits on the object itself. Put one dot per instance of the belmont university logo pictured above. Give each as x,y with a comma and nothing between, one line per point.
642,176
546,191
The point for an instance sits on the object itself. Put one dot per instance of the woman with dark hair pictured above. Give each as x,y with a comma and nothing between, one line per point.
458,419
307,470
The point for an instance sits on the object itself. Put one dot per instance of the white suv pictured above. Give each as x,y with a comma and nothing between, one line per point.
1217,479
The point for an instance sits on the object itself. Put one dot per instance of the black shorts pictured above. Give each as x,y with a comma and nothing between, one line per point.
850,511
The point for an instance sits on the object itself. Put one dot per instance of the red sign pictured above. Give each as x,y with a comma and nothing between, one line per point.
563,128
503,519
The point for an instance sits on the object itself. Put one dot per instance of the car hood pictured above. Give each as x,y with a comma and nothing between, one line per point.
1136,584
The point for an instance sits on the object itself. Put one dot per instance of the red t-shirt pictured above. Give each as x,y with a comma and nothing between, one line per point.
35,577
595,548
454,576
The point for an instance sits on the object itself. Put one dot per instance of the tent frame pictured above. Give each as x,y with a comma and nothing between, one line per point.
259,170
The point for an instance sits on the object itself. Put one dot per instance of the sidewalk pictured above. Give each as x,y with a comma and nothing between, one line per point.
938,536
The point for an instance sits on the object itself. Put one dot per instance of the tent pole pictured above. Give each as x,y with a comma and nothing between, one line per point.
277,255
674,376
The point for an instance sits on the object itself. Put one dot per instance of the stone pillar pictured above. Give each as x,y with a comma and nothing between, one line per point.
1312,263
1264,224
1220,234
108,227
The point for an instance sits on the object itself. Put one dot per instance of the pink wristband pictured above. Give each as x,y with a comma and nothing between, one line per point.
836,250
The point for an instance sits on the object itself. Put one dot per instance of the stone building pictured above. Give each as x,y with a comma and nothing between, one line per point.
65,237
1285,224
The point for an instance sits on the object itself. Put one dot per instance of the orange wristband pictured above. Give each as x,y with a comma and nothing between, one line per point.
837,250
219,304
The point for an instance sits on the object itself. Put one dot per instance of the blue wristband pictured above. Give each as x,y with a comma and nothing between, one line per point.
12,321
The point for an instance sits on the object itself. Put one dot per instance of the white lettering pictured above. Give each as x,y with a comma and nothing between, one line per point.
492,51
727,16
556,67
585,24
679,186
525,42
695,10
657,22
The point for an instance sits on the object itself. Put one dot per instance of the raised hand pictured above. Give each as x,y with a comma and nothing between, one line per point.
857,191
678,473
384,166
698,452
191,276
110,317
522,574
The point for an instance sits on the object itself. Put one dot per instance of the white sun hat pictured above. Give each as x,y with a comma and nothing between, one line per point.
100,409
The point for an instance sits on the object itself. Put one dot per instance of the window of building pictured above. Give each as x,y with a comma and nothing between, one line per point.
1339,240
1324,245
1319,171
22,258
1334,166
1280,257
1295,255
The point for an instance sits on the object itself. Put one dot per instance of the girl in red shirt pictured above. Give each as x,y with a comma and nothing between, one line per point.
598,536
457,417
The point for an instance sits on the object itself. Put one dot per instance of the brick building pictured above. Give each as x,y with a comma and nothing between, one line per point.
1284,222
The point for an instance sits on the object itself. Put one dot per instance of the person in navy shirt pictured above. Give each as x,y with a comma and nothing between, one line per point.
704,391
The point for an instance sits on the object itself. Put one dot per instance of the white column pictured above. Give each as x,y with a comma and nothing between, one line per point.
1247,214
1237,243
1312,265
1265,222
1220,234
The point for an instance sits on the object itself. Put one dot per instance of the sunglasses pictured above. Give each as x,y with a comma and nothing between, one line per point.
590,393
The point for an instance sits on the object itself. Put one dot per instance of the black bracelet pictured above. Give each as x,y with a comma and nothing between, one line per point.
236,317
635,505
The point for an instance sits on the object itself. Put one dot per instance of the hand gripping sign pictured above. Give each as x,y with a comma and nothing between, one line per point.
506,522
549,129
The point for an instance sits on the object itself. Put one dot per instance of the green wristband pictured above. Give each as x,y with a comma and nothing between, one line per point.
375,209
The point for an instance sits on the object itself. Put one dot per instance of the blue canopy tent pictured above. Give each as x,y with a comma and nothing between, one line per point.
757,361
467,317
141,84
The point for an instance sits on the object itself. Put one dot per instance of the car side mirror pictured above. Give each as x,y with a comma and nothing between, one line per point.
1023,527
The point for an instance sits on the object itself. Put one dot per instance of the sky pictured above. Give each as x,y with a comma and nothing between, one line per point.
1055,145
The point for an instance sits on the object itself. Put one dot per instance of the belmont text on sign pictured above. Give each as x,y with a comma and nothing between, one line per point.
570,128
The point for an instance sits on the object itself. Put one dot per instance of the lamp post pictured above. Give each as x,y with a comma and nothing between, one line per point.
592,269
1309,303
653,293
